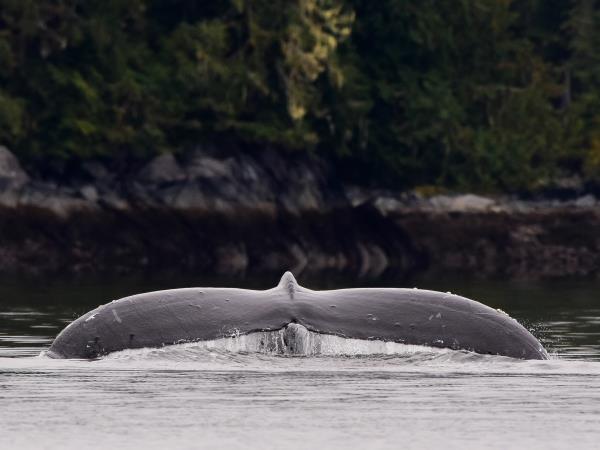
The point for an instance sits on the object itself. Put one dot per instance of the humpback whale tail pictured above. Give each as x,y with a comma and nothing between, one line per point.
405,316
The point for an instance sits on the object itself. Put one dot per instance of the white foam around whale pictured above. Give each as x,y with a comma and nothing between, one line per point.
292,340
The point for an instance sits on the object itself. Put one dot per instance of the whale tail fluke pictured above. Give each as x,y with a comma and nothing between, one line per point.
293,315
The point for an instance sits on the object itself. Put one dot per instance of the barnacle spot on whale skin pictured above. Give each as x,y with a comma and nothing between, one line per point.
290,311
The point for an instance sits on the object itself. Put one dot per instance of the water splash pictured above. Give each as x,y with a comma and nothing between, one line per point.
292,340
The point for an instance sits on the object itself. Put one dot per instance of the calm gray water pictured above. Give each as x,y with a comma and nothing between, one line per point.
197,397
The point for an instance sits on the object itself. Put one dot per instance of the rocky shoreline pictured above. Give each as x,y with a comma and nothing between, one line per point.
239,213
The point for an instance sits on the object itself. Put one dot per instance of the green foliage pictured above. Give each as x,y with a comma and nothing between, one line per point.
583,72
458,96
476,94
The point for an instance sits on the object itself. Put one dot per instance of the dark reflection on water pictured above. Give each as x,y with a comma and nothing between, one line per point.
190,397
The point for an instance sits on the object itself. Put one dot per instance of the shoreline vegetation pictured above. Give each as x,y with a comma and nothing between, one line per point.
246,213
467,95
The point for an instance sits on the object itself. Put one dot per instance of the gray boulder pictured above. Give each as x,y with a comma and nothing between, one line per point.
207,167
162,169
586,201
89,193
12,176
462,203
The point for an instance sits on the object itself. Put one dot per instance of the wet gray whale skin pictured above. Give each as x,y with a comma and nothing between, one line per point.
409,316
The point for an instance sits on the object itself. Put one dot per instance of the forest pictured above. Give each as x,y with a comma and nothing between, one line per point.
488,95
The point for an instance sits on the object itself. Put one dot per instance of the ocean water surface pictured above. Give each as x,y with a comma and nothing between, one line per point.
348,394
